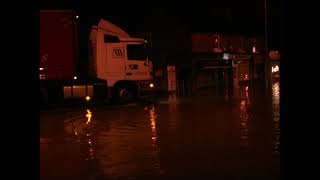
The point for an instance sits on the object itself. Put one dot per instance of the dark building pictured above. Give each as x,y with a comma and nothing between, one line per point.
217,58
205,60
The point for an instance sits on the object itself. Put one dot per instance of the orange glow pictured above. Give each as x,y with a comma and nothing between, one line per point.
152,119
154,138
276,91
88,98
151,85
153,125
152,116
275,69
88,115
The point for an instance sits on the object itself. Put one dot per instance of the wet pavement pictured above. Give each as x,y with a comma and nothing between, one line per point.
191,138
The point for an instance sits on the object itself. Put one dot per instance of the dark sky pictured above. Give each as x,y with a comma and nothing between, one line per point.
207,18
235,17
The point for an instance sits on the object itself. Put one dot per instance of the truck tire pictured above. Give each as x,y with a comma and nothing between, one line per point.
122,94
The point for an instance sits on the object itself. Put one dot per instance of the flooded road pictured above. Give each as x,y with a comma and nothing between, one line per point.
195,138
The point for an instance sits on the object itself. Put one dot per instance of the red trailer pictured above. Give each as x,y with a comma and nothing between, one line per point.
59,61
58,45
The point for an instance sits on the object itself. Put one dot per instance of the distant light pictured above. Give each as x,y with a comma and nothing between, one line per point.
145,41
254,49
151,85
88,98
226,56
41,69
77,17
75,77
275,69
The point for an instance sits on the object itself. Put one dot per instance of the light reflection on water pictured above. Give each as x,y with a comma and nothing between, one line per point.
244,117
152,116
88,139
158,139
276,117
154,137
129,146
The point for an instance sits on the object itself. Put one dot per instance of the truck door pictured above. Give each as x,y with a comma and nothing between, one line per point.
115,61
137,67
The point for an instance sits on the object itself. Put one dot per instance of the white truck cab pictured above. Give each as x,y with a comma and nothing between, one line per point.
120,60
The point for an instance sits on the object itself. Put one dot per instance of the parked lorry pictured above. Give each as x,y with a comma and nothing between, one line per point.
118,67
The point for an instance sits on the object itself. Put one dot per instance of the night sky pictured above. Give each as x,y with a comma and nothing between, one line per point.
244,18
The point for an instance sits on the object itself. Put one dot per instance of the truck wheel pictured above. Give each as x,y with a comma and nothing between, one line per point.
123,94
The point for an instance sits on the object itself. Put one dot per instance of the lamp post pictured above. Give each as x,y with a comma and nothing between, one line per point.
267,63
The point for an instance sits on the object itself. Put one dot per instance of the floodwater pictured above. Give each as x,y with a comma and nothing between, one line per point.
190,138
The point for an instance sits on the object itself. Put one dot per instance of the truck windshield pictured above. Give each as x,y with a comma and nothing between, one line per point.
136,52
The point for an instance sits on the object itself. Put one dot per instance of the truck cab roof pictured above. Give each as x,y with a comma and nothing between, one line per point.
111,29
